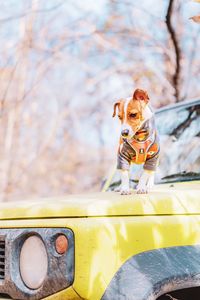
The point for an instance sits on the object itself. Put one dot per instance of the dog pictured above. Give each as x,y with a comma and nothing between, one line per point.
139,141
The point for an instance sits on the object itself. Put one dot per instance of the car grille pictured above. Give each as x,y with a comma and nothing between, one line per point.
2,260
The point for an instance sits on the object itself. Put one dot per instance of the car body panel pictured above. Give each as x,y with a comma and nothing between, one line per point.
155,273
176,198
104,243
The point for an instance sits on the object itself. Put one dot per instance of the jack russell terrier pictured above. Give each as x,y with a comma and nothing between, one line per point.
138,141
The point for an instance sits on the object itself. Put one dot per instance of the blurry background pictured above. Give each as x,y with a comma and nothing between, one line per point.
63,63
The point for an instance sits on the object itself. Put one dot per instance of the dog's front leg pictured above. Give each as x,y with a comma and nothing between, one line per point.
146,182
125,189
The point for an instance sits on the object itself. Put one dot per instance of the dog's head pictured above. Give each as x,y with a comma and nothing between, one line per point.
132,112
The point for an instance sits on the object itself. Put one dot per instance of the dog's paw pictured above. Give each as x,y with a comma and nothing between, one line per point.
142,191
125,192
146,183
122,191
117,190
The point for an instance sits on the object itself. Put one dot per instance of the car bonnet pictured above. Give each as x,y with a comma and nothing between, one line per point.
176,199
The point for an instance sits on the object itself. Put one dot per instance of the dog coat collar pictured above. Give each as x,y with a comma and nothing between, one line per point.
144,145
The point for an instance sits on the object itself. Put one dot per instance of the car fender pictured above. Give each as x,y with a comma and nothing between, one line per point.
150,274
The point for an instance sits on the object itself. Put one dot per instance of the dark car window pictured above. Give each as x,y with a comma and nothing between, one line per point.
179,131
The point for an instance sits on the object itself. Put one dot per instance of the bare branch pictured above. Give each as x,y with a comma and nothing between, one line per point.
176,49
26,13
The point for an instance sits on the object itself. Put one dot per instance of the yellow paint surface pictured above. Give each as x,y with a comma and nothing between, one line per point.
181,198
104,243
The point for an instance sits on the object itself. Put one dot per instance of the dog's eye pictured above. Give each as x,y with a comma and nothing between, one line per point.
133,115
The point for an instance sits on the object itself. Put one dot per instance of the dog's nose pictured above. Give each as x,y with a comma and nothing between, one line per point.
125,132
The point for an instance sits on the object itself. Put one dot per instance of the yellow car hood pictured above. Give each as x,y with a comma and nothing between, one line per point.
177,198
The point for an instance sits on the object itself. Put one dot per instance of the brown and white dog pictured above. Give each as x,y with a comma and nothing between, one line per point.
138,141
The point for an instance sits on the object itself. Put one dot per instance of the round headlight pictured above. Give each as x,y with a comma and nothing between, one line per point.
33,262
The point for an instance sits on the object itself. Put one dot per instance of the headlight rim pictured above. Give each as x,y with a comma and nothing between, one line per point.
61,270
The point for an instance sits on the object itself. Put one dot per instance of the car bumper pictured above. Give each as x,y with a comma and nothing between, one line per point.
68,294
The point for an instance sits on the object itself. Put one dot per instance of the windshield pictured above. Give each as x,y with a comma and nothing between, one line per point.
179,134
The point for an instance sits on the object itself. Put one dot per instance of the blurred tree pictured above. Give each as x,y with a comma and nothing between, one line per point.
63,64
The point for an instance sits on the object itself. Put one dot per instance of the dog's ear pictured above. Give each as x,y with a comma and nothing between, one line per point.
116,105
141,95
